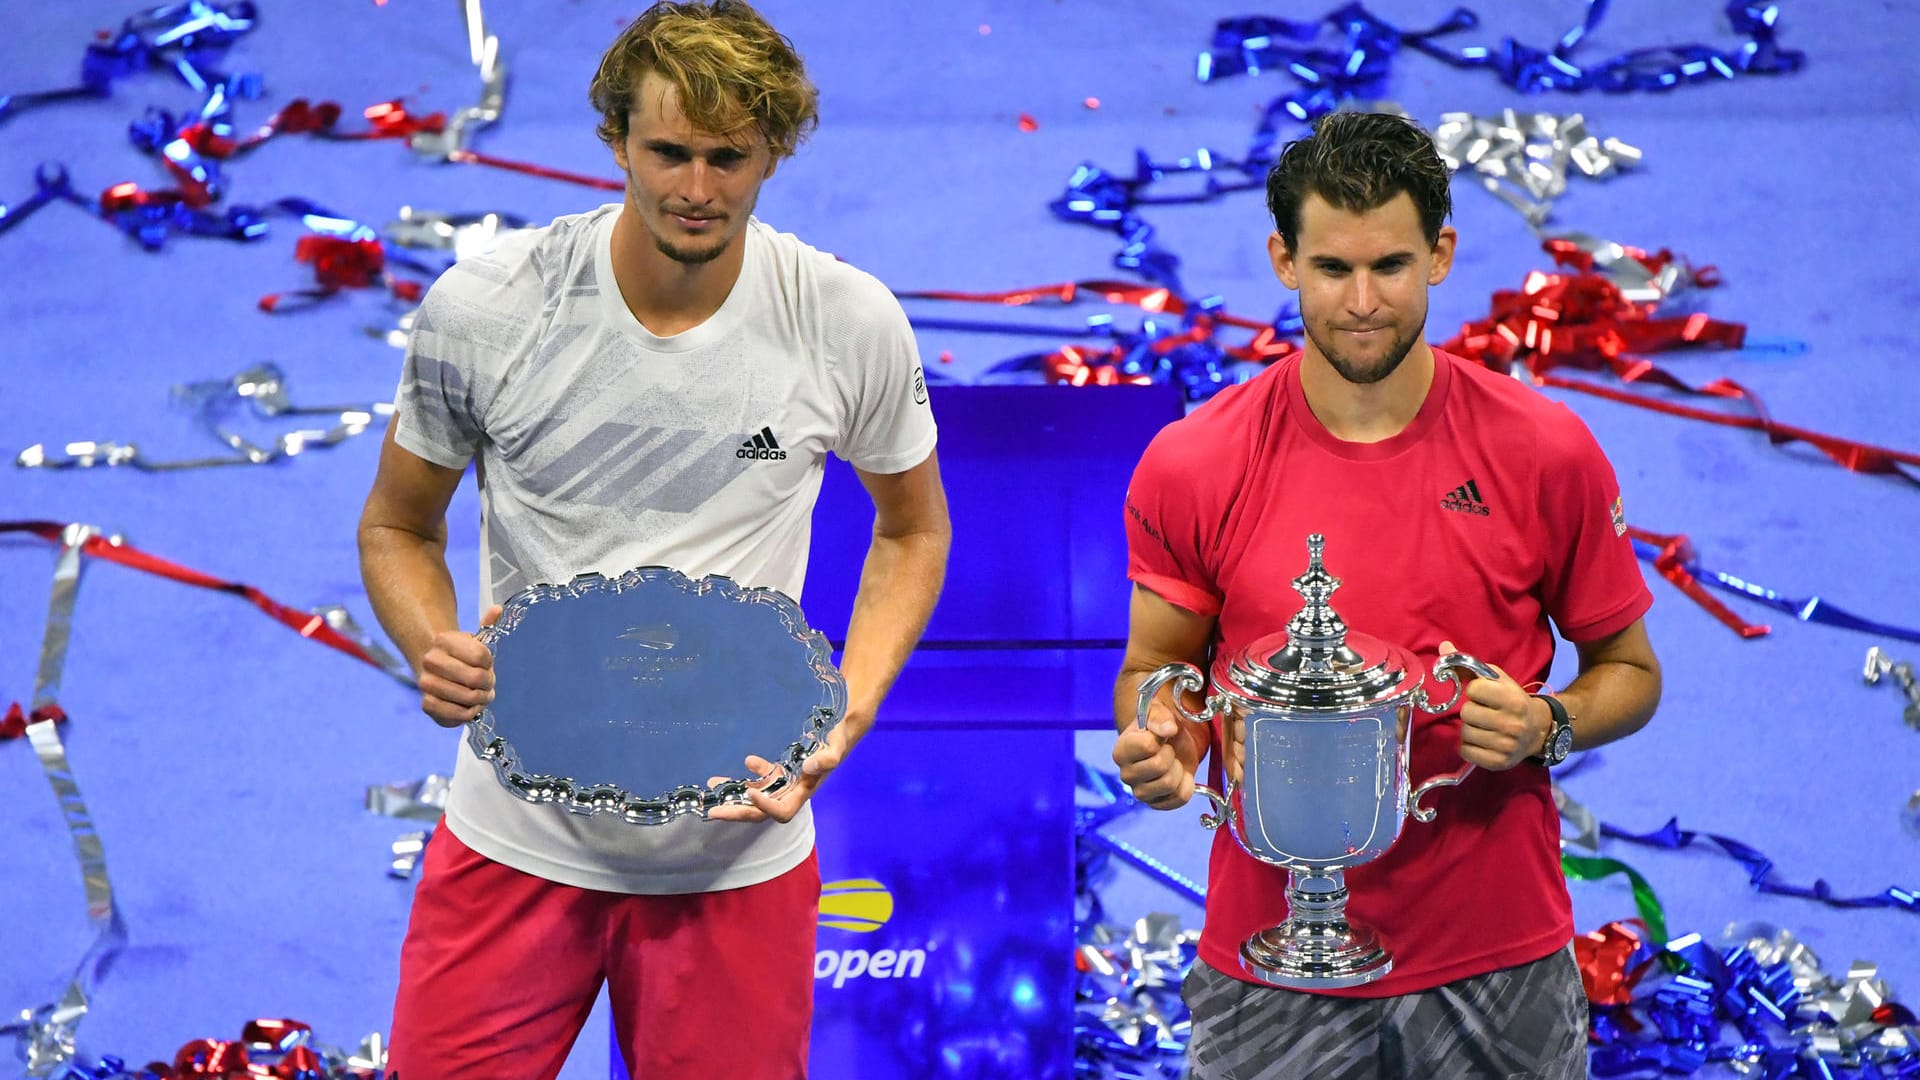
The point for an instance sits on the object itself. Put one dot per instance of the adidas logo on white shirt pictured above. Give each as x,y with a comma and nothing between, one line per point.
763,447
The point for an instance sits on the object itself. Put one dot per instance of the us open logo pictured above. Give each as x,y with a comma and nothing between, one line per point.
861,906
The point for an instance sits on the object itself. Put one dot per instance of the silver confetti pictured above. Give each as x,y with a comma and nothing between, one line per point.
1880,666
1136,972
263,387
1524,159
1636,283
406,854
460,234
343,623
1834,1017
1586,824
371,1056
47,1032
455,235
485,51
424,799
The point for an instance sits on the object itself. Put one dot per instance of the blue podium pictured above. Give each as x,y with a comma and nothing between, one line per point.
946,841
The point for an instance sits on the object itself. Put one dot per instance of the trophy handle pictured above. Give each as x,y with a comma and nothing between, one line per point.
1224,803
1188,677
1425,814
1447,667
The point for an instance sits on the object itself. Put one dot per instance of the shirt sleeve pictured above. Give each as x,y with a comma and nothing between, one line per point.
464,335
888,422
1593,584
1173,522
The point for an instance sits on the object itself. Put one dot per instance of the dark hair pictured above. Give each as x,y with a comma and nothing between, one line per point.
735,73
1357,162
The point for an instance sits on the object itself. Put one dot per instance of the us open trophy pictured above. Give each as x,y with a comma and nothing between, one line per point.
626,695
1328,719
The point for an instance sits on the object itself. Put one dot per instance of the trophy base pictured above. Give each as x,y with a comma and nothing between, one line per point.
1303,955
1316,948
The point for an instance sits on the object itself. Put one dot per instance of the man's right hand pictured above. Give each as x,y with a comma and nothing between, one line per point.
456,675
1157,762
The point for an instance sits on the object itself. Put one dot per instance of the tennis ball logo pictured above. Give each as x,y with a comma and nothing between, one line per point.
862,905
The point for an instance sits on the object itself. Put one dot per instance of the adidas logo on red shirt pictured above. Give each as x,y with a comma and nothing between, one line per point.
1466,499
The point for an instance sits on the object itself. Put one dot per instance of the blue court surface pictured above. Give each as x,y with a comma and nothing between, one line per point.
223,760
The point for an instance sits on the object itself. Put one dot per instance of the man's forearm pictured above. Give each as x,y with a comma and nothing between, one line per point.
1126,696
409,587
1610,701
899,584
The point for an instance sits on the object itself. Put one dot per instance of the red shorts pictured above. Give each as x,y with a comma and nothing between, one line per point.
500,969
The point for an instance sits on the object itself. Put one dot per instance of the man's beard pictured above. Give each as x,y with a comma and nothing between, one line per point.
1358,376
689,256
695,256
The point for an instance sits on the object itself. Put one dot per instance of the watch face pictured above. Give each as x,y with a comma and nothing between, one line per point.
1562,744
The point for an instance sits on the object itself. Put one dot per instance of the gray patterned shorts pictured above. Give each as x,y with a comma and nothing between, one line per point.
1521,1022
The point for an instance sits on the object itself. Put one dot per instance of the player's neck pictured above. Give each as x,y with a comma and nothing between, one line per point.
1371,412
667,296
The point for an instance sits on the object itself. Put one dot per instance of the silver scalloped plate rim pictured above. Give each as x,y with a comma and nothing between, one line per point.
687,800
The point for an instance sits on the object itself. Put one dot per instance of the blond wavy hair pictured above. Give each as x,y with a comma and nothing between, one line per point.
734,73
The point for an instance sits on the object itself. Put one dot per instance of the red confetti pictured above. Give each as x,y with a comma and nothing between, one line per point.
1089,367
124,196
300,117
985,29
471,158
1582,320
1092,103
1602,956
1676,552
202,139
946,356
14,725
390,119
1028,123
305,623
1146,297
280,1034
340,263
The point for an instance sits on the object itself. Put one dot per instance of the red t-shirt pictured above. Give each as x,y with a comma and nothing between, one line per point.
1493,512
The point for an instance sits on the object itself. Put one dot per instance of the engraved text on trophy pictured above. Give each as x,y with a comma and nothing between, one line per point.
1356,756
650,664
652,661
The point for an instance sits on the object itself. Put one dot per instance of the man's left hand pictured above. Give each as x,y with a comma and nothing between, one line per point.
785,805
1500,723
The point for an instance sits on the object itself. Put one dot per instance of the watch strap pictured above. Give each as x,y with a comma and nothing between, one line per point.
1561,722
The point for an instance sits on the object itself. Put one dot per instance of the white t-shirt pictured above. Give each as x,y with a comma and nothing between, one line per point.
603,447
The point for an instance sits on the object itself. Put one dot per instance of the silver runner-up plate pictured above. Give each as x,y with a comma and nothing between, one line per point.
626,695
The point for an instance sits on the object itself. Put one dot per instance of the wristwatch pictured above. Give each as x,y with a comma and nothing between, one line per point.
1559,736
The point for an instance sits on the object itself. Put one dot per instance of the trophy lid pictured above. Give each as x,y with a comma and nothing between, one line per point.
1316,664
